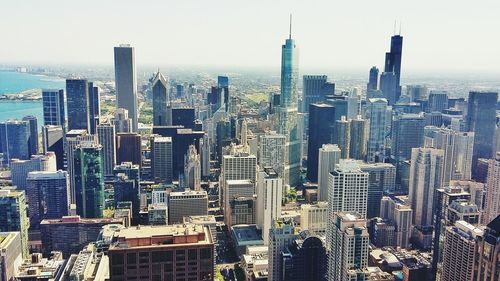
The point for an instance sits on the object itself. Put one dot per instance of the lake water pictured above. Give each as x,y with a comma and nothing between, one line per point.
16,82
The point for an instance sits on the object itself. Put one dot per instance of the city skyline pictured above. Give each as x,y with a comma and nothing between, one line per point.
329,34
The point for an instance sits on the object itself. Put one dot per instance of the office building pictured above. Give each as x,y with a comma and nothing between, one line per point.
127,190
10,255
481,119
377,112
106,137
397,210
21,168
389,87
160,100
186,203
348,189
126,82
234,189
14,216
492,204
381,179
161,159
314,217
179,252
73,139
70,234
272,151
358,138
121,121
372,80
305,259
349,241
281,235
407,133
460,247
192,169
425,178
329,157
238,166
48,195
157,214
287,110
487,254
33,134
321,125
315,90
269,192
417,93
14,140
94,108
77,95
393,64
54,107
53,141
128,148
241,211
438,101
89,180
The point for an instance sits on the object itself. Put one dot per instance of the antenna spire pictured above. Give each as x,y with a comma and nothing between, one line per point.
290,34
400,28
394,27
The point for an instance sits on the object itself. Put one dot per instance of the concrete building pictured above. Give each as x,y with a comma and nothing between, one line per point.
272,151
21,168
314,217
121,121
186,203
161,159
381,180
492,204
269,199
192,169
14,216
398,211
281,235
329,157
10,255
179,252
126,81
359,138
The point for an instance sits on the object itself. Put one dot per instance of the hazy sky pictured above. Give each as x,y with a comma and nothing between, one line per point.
439,35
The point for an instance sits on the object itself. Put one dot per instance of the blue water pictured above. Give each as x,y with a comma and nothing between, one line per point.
16,82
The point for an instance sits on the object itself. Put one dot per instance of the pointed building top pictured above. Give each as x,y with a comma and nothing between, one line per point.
159,77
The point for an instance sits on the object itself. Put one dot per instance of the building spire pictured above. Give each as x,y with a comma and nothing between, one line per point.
290,34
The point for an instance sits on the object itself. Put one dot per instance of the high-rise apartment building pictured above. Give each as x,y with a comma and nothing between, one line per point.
358,138
54,107
381,179
272,151
281,235
89,180
397,210
14,215
492,204
77,95
126,82
349,242
342,136
377,112
161,160
186,203
329,157
10,255
269,192
48,195
160,100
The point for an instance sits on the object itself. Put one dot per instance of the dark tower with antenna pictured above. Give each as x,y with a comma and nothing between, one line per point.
393,61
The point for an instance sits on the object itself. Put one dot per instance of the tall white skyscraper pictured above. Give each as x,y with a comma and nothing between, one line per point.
329,157
377,112
352,104
425,177
269,197
349,242
126,81
237,166
492,206
272,148
348,189
107,139
161,159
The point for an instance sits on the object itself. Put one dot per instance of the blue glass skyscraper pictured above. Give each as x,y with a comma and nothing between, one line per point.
54,109
77,93
287,111
14,140
94,108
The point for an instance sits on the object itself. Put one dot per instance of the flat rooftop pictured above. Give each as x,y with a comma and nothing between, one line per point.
245,233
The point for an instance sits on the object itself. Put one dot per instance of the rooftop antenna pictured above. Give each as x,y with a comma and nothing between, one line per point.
290,34
399,28
394,27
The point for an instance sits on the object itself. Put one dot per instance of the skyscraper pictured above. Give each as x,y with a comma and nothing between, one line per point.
192,169
438,101
393,62
316,88
235,190
107,139
348,242
272,151
52,140
481,119
14,140
305,259
381,179
358,138
128,148
160,100
33,136
186,203
121,121
287,111
126,81
388,87
348,189
492,206
377,112
269,197
342,136
398,211
281,235
94,107
89,180
372,80
54,108
161,159
14,215
48,195
77,95
487,253
321,125
21,168
329,157
425,178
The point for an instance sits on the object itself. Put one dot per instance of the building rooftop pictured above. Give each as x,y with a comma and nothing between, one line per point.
79,220
208,219
245,233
